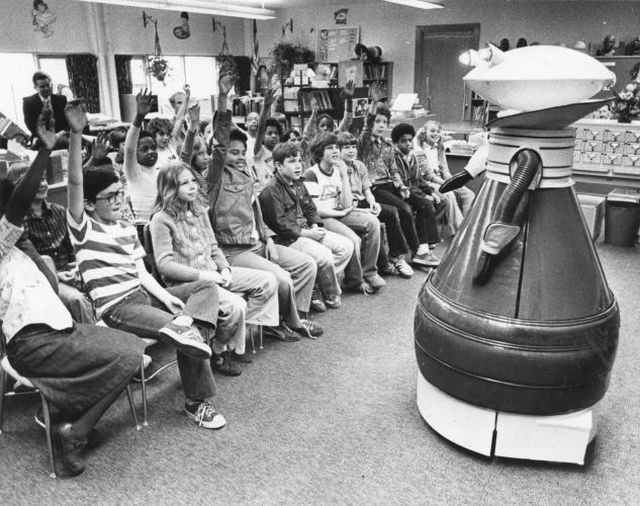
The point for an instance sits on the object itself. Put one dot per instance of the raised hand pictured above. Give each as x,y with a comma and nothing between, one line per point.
376,92
76,113
225,83
270,96
193,115
46,128
315,106
143,102
348,90
187,92
100,147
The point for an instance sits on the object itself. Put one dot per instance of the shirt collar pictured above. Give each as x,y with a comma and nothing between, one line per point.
46,210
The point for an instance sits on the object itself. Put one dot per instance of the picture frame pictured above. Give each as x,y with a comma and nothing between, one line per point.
351,70
337,43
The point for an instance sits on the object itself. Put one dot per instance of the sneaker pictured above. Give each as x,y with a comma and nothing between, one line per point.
333,301
289,334
426,259
310,329
224,365
205,415
389,270
316,302
375,281
186,338
403,267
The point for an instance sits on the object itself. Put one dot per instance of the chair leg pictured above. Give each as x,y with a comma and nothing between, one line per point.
143,389
133,409
260,330
253,343
47,428
3,385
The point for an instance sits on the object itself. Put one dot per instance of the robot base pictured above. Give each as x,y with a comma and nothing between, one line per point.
559,438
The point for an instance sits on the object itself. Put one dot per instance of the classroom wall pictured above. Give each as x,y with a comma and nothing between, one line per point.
122,24
392,26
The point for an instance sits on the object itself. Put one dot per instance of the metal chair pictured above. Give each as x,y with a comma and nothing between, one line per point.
6,370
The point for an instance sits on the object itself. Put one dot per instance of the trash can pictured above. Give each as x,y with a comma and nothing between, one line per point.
622,217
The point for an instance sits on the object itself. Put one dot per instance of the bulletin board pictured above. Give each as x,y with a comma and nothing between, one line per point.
337,43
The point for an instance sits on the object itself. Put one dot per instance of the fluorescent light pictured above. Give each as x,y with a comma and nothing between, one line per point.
196,6
420,4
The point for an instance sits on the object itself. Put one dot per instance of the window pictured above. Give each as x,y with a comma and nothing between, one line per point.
56,67
15,84
199,72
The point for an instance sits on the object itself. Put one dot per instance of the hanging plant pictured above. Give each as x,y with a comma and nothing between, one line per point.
286,54
157,65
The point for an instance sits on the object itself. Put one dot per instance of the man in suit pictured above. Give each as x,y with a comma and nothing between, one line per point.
32,106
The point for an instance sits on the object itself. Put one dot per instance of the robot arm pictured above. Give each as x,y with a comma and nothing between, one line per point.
502,231
476,165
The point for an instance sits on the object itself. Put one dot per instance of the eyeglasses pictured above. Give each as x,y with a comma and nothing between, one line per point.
112,197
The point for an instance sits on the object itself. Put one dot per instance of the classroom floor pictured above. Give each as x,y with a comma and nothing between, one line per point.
332,421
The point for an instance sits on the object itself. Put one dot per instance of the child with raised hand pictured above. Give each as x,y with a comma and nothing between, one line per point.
140,164
290,212
429,151
268,135
237,221
328,183
124,294
194,153
80,369
377,153
419,197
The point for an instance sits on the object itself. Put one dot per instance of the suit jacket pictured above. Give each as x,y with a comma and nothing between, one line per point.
32,107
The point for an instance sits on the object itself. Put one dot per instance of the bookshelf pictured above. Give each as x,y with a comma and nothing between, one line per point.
379,72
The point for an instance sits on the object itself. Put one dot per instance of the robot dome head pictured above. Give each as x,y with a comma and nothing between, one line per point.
535,77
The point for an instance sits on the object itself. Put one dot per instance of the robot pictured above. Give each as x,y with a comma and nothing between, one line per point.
516,331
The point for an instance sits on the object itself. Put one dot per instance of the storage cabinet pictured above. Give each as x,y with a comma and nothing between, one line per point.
607,150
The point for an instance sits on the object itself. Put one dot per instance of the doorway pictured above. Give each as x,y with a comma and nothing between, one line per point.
438,73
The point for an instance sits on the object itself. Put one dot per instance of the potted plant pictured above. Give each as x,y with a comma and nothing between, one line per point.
286,54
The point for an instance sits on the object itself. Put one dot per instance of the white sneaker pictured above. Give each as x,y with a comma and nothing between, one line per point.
403,267
205,415
187,339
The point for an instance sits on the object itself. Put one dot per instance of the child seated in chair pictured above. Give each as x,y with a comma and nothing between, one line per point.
80,369
124,294
289,211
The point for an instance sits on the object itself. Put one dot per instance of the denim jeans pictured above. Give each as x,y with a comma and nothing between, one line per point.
363,229
295,272
332,254
142,314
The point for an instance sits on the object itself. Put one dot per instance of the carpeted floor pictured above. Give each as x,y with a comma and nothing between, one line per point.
332,421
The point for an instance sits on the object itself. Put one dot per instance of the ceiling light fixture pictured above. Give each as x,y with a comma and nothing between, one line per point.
420,4
196,6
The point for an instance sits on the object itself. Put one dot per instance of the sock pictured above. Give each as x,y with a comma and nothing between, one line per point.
423,249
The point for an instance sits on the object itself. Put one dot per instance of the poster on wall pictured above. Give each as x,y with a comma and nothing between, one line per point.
351,70
184,30
43,18
337,43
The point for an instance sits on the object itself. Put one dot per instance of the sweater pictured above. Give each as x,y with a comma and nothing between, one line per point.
185,246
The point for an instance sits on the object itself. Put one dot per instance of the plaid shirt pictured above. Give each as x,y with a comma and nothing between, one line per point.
378,156
49,234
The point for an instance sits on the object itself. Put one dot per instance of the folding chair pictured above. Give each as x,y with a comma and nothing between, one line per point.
6,370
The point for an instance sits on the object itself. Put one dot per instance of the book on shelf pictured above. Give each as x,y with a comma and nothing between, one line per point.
321,96
9,129
375,71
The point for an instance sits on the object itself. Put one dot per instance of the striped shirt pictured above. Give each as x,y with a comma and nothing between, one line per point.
48,233
107,256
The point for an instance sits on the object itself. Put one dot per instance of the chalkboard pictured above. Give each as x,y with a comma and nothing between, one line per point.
621,67
336,44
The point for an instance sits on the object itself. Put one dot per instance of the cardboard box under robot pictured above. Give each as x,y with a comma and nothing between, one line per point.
517,329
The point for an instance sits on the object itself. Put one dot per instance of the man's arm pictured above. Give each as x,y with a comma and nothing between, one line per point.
180,115
186,152
77,118
221,130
